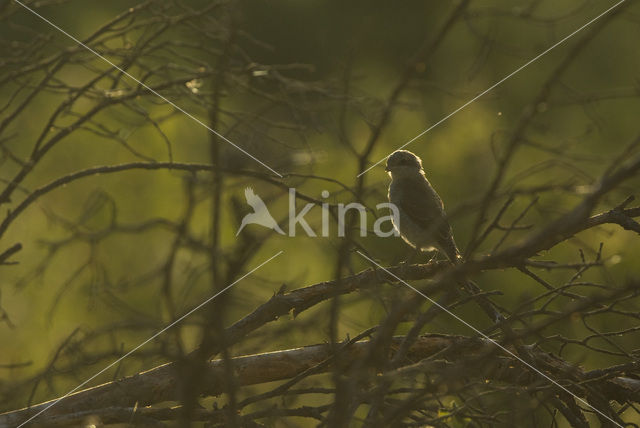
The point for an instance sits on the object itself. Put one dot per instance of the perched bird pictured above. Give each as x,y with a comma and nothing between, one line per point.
260,215
423,223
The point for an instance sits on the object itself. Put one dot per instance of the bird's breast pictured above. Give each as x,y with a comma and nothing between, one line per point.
410,231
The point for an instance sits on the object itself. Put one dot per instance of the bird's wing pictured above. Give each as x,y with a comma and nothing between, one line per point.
423,206
420,202
254,200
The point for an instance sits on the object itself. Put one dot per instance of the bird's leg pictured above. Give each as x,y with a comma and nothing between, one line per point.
433,257
409,260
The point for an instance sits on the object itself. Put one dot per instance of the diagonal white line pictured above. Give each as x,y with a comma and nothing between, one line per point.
151,338
490,340
189,115
498,83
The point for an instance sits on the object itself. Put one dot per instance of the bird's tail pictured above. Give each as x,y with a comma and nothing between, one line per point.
450,249
490,308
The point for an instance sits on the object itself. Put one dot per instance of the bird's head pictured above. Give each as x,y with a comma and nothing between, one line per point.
403,162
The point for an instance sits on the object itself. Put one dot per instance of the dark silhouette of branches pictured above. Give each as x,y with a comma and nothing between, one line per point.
122,192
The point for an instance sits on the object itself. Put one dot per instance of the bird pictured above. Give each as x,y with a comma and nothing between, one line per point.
422,222
260,215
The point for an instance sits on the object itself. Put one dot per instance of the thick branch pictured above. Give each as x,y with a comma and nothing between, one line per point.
145,389
280,365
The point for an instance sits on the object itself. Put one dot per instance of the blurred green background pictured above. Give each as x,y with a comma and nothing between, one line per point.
77,270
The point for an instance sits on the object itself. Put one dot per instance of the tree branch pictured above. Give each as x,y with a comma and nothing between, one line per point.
115,401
